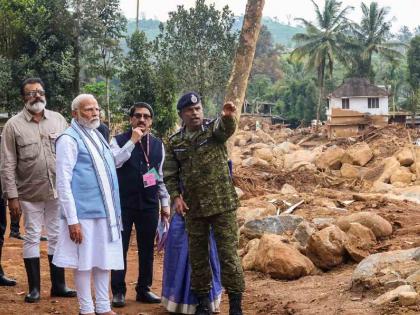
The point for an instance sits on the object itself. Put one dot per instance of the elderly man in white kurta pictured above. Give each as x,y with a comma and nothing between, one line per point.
87,185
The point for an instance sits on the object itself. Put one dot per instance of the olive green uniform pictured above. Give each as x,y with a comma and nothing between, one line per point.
197,161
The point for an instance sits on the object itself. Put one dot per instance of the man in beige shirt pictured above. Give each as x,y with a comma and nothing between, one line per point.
27,167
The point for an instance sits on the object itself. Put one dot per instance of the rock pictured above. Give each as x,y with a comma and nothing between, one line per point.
390,166
330,159
239,192
408,298
288,190
378,269
280,260
358,154
253,161
278,224
248,261
324,202
298,156
265,137
360,241
414,278
379,226
303,166
303,232
322,223
350,171
326,247
405,157
245,214
393,295
284,148
401,175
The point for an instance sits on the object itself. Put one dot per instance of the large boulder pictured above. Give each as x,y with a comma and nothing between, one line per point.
284,148
389,166
264,154
330,159
360,241
280,260
405,157
326,247
393,295
265,137
350,171
358,154
303,232
298,156
277,224
254,161
378,269
245,214
379,226
251,249
401,175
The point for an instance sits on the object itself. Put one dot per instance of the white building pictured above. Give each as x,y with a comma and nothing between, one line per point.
358,94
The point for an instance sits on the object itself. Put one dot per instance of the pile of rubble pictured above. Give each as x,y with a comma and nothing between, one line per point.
309,204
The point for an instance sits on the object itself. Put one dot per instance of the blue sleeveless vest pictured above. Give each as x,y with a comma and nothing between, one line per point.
90,204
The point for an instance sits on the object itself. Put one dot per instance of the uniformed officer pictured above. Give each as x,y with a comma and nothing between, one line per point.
197,178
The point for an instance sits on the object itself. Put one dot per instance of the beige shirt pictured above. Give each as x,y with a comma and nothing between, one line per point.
27,161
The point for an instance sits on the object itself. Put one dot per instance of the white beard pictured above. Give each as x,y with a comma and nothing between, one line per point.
36,107
93,124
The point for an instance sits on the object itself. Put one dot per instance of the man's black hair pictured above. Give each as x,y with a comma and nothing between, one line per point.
30,81
141,105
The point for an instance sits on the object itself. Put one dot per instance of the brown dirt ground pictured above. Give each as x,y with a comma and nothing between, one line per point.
326,293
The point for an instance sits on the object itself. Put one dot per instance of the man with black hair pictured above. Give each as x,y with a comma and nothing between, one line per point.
139,158
28,180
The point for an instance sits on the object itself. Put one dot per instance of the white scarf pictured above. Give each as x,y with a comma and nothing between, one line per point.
103,174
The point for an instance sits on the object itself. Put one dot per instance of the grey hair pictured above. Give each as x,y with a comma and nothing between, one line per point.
77,100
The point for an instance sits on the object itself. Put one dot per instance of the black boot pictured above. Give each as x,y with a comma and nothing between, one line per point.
34,279
58,282
235,303
203,306
5,281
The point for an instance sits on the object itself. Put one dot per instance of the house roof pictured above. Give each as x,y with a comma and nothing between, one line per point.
354,87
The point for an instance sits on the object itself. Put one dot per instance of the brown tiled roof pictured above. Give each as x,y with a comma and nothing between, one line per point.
358,87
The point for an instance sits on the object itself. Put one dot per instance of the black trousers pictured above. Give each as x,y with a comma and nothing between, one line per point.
146,222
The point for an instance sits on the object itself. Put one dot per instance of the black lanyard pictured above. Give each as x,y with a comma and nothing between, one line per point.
146,152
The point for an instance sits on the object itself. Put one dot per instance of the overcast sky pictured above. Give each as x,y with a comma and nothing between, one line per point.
403,12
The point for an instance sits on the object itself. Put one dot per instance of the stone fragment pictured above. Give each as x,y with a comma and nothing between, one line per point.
280,260
379,226
326,247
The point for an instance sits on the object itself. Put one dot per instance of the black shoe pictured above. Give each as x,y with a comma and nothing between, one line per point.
34,279
43,238
235,303
203,306
16,235
58,282
6,282
147,297
118,300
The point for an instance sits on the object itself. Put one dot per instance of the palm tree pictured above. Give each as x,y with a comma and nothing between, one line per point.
322,42
371,36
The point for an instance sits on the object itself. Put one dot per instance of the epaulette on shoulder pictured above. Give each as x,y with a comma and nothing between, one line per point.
176,133
208,122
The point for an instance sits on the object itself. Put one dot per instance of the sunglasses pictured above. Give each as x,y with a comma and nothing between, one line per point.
139,116
35,92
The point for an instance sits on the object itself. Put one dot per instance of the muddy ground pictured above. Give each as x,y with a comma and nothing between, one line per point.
325,293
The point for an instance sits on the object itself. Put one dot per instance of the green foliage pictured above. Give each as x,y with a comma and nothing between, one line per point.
413,61
199,44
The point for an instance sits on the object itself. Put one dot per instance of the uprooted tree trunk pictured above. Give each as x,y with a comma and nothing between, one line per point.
238,81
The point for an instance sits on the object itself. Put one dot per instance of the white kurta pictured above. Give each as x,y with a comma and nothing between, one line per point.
96,249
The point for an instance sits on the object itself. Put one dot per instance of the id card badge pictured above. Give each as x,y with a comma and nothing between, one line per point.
150,178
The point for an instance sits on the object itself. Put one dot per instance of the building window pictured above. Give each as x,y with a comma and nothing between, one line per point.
345,103
373,102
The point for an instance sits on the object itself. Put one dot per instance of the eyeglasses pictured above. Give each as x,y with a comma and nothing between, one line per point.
140,116
35,92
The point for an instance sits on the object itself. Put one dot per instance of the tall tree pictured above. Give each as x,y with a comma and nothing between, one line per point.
372,36
413,61
106,27
199,43
322,42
